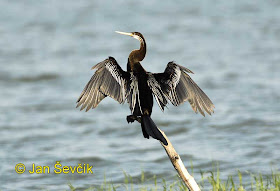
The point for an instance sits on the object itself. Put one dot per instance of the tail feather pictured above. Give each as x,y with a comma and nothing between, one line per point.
151,129
145,134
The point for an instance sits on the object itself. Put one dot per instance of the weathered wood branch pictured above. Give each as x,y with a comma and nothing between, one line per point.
179,166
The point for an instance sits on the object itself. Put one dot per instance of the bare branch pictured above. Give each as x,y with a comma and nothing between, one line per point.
179,166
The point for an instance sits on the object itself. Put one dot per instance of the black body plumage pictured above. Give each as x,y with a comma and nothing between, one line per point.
138,87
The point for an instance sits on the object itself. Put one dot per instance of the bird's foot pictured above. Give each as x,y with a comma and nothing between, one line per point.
132,118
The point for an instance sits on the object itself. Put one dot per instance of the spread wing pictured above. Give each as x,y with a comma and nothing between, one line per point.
108,80
177,86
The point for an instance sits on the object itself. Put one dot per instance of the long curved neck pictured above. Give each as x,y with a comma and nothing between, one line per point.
138,55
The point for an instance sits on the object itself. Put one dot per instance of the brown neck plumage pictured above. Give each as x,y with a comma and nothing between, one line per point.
138,55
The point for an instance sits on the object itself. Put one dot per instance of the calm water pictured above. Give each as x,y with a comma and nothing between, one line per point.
48,47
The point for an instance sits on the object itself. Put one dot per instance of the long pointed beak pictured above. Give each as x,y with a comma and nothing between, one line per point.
124,33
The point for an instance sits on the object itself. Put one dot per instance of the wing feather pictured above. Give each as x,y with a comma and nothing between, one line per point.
178,87
157,92
108,80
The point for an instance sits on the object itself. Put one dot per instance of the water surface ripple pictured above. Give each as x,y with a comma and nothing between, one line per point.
48,47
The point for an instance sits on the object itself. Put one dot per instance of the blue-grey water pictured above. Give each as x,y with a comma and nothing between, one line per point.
48,47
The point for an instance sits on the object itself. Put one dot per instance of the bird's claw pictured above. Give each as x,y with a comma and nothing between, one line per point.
132,118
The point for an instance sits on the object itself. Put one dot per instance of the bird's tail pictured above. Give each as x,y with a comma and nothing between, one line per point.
149,128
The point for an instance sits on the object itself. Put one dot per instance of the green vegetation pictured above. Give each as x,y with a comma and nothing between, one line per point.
212,182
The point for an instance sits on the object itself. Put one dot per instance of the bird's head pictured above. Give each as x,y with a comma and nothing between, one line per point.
139,54
136,35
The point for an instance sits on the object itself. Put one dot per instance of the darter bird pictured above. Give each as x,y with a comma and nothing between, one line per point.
138,87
